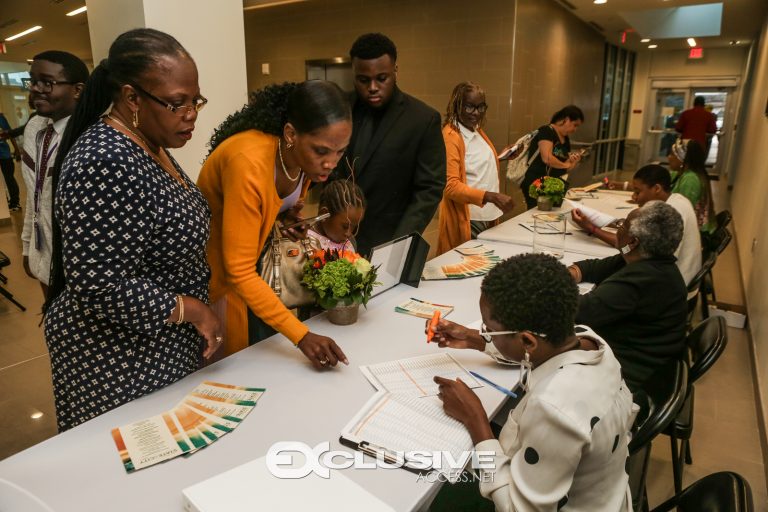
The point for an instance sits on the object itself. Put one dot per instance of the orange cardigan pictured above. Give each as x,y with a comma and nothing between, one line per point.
454,208
238,181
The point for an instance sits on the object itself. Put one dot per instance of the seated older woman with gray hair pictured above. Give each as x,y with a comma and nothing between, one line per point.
638,304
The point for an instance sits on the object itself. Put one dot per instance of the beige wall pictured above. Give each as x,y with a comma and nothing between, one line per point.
750,210
441,44
558,61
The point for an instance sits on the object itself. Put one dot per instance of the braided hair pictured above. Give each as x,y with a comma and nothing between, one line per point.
456,103
339,195
308,106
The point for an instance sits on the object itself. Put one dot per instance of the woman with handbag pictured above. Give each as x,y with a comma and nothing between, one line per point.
553,146
262,161
471,200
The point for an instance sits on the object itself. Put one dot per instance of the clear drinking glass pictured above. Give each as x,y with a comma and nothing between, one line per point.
549,234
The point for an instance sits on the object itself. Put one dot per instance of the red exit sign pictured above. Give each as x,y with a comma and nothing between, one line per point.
696,53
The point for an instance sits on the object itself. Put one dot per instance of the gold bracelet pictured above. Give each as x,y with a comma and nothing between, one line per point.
180,304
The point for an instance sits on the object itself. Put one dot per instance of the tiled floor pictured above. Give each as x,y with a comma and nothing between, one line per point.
726,435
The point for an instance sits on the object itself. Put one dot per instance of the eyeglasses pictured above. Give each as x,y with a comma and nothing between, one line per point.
481,108
180,110
488,336
43,85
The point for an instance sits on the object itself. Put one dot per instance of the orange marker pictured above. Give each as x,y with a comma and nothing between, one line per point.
432,325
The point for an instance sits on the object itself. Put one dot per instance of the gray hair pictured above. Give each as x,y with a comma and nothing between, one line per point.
658,228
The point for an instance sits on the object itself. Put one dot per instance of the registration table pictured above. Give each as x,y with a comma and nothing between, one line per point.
80,470
519,230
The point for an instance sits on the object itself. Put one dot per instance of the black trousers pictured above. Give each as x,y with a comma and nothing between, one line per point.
7,166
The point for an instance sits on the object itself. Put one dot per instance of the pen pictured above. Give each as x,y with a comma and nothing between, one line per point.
432,325
494,385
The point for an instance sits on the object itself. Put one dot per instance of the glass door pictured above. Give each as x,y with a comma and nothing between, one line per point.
668,104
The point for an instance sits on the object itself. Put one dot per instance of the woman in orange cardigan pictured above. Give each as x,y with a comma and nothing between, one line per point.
471,201
262,161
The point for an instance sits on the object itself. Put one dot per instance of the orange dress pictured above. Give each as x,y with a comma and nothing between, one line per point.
454,208
238,181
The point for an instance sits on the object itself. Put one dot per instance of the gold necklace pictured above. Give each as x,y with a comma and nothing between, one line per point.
173,172
282,163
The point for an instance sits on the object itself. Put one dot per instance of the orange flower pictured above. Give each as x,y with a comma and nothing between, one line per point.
350,256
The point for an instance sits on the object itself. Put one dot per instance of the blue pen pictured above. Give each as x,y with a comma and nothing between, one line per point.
493,384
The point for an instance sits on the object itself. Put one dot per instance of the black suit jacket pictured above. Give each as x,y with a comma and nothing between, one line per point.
401,172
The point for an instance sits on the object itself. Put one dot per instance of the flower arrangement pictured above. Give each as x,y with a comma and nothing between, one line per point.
548,186
339,278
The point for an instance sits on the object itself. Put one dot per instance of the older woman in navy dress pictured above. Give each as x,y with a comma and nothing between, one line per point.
128,309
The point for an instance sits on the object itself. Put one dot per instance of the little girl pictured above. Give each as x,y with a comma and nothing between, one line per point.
345,202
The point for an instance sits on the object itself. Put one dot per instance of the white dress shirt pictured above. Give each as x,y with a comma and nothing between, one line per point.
688,253
39,259
564,446
482,172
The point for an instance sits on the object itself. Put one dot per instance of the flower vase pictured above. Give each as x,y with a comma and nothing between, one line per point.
343,314
544,203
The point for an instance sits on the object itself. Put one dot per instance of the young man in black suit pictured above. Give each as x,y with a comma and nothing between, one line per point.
397,149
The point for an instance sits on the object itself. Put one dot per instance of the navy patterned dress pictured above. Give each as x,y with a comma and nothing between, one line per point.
133,238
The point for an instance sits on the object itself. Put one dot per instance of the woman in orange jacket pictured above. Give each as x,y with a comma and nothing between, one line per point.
262,161
471,201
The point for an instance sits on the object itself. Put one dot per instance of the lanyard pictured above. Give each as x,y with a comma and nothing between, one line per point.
41,169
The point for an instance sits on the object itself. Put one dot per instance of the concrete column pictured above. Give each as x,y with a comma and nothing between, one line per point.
214,35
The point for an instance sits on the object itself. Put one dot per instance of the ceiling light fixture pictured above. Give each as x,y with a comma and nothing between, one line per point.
22,34
652,46
691,42
36,415
78,11
601,1
646,40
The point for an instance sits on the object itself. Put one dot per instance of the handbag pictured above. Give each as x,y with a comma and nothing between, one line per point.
518,166
282,267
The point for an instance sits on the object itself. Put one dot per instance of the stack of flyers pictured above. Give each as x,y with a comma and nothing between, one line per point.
422,308
209,412
476,261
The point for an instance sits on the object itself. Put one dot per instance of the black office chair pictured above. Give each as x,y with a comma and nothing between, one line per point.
4,262
722,219
706,344
696,285
719,240
718,492
662,397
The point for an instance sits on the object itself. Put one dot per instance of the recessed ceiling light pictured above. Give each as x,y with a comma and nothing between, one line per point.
36,415
77,11
21,34
646,40
600,1
652,46
691,42
30,61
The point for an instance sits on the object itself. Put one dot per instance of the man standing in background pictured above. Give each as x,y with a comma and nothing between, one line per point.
396,153
7,165
695,123
56,82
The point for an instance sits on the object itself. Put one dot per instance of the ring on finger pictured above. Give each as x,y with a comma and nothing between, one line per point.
323,361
